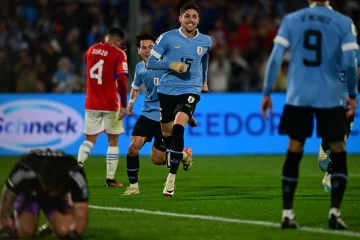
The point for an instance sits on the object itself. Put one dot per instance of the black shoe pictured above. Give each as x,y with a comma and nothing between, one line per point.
112,183
337,223
287,223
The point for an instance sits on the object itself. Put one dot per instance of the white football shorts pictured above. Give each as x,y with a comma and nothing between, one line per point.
97,122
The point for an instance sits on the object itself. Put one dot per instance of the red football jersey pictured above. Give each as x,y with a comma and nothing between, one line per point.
104,63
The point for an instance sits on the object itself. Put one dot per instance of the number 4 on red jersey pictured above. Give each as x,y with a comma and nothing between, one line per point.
105,63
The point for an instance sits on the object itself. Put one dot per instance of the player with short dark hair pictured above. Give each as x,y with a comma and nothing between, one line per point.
183,54
148,125
320,41
107,69
43,179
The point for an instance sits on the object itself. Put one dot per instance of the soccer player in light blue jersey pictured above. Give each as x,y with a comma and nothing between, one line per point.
320,41
183,54
148,125
324,161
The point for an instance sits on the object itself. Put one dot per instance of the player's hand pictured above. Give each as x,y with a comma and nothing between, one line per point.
205,87
8,234
358,72
122,113
192,122
130,109
178,67
352,104
265,105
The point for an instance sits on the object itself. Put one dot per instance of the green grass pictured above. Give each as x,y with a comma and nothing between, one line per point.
242,187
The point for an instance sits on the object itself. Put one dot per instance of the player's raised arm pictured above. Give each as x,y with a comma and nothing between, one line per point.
156,60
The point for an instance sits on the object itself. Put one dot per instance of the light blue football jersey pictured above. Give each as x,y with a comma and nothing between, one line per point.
150,79
174,46
316,37
343,79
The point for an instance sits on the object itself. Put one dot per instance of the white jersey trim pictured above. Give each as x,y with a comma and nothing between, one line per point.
155,54
283,41
349,46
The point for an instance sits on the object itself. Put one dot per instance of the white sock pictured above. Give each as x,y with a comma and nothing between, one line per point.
134,185
84,151
289,213
322,154
185,156
334,211
112,159
171,177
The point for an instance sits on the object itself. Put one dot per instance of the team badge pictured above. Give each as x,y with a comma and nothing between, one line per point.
199,50
156,81
125,66
191,99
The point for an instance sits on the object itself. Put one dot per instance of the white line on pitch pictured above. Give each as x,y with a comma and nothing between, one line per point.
222,219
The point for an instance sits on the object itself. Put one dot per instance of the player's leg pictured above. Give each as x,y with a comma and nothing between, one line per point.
113,128
133,164
26,217
142,133
297,123
93,126
331,127
186,105
323,156
62,221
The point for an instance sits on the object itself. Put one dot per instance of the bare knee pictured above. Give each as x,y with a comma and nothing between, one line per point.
113,140
26,231
296,146
62,224
337,147
157,157
133,150
26,224
166,129
91,138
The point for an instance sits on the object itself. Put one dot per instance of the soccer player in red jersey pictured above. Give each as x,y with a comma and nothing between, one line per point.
106,71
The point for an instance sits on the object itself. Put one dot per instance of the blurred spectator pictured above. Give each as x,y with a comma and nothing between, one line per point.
65,80
5,75
35,34
219,70
26,75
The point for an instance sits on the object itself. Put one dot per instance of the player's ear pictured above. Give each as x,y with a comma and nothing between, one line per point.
138,50
180,19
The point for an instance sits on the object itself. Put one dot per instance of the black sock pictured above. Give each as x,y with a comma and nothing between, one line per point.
168,141
325,145
132,167
177,147
329,169
338,178
290,178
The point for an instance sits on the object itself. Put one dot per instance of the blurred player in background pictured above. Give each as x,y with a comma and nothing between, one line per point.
314,89
183,54
324,161
106,71
43,179
148,124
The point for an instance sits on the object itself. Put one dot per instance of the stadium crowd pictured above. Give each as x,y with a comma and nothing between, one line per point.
43,42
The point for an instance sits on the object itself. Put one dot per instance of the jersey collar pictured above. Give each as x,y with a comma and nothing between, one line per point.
326,5
197,34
